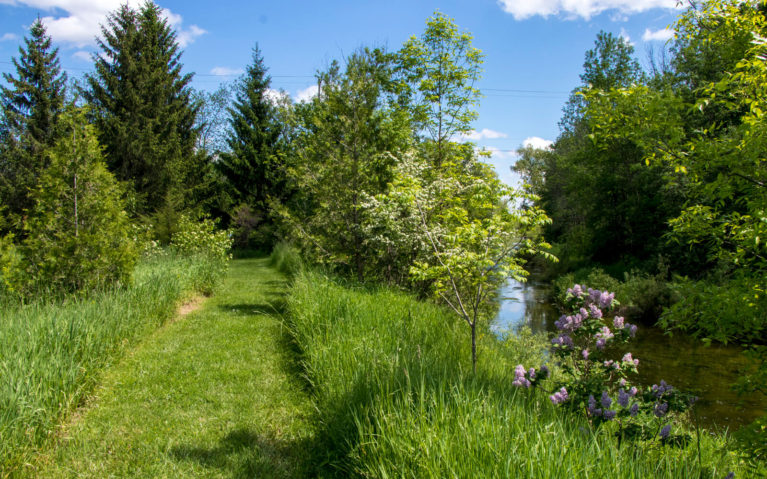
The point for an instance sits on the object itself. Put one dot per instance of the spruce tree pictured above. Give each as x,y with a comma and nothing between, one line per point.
31,104
142,105
254,165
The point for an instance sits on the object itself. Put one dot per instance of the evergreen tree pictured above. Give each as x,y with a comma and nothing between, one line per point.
252,166
142,105
78,232
31,104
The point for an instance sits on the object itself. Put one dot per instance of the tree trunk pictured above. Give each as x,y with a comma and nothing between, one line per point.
474,348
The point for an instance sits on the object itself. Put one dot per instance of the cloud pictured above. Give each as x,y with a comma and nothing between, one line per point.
625,35
658,35
82,55
572,9
307,93
276,96
226,71
537,143
485,133
9,37
82,19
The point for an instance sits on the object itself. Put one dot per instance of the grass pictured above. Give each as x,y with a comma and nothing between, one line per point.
213,394
391,381
53,352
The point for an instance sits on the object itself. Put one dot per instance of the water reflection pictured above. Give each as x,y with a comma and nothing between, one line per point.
680,360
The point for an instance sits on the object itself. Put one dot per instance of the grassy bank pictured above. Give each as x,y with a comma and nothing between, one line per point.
392,383
53,352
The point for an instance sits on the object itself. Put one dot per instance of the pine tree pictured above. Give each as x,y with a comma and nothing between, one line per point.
78,231
253,166
31,104
142,105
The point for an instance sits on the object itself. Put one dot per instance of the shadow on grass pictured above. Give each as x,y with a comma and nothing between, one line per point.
274,308
243,453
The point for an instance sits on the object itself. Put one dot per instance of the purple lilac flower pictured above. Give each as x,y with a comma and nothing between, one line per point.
593,411
633,330
601,343
622,383
606,299
602,336
576,291
563,341
633,391
595,311
662,388
585,354
519,377
605,400
665,431
628,358
610,364
560,396
594,295
618,322
731,475
531,373
660,409
584,313
623,398
634,409
610,415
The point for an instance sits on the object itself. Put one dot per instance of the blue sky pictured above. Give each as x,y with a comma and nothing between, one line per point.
534,48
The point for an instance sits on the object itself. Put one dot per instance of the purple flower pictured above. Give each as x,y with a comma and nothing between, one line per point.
660,409
593,411
633,391
628,358
545,371
634,409
665,431
618,322
731,475
584,313
606,299
633,330
576,291
594,295
601,343
531,373
623,398
585,354
605,400
622,383
662,388
519,377
610,415
610,364
560,396
602,336
595,311
563,341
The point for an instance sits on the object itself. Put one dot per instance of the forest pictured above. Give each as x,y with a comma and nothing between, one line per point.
387,237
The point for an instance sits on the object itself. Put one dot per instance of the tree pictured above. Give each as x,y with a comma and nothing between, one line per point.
349,143
78,233
438,74
254,166
142,105
31,105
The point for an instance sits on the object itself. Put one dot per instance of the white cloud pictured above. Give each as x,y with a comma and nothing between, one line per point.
82,20
571,9
485,133
9,37
226,71
538,143
82,55
658,35
275,96
307,93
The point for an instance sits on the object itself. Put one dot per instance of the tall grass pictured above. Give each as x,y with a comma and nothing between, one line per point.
392,382
286,259
51,352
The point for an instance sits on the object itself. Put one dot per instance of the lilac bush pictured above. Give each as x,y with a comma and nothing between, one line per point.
597,384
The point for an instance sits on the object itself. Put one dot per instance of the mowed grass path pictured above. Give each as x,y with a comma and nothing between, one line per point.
214,393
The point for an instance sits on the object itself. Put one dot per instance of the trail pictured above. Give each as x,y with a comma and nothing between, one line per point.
213,393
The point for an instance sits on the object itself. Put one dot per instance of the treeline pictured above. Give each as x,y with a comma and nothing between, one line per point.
659,178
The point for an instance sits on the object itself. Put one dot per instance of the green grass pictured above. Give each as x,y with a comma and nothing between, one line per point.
391,381
52,352
214,394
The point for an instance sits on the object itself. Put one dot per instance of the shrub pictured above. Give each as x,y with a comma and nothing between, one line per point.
286,259
210,248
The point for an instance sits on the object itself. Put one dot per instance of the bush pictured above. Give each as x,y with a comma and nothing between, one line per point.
286,259
208,246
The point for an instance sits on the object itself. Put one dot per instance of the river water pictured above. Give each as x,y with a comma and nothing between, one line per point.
681,360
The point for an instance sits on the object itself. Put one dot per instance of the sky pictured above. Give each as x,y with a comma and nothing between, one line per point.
534,49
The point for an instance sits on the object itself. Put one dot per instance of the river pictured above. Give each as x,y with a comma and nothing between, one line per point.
681,360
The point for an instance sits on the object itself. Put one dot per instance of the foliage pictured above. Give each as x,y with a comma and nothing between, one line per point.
254,165
78,234
31,104
11,268
142,105
286,259
437,76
